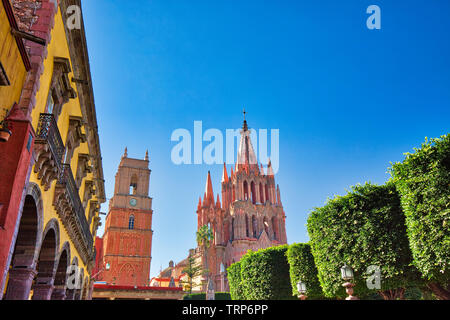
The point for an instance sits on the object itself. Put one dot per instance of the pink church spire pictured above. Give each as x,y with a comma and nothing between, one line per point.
225,173
209,194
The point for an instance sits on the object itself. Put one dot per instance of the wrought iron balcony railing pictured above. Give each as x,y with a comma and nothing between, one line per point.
66,179
48,132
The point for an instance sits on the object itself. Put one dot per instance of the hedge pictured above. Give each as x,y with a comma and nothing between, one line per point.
202,296
423,181
235,281
302,267
363,228
265,274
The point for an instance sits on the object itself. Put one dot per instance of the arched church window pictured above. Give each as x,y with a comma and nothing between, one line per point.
261,193
275,228
267,192
245,191
232,229
255,227
247,231
131,223
253,191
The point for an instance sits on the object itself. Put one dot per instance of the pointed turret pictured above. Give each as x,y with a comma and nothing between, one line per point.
262,170
125,154
225,173
209,194
199,203
146,156
270,169
232,173
218,205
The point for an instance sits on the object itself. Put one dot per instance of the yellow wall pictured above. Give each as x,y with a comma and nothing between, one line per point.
12,63
58,47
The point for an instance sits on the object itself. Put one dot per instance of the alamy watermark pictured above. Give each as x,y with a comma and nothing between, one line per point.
374,20
73,17
221,148
373,282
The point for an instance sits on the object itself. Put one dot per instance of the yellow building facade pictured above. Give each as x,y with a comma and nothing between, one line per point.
52,255
14,62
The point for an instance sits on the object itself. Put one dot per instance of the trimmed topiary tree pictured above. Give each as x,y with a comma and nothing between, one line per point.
235,282
265,274
363,228
423,181
302,267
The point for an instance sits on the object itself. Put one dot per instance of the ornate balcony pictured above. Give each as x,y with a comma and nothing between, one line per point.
49,150
69,207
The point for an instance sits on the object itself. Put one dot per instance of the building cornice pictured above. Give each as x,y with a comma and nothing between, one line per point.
79,57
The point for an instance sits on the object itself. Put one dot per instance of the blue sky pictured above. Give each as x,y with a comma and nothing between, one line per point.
347,100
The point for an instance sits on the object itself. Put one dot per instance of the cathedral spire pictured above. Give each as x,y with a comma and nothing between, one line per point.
209,194
246,158
225,173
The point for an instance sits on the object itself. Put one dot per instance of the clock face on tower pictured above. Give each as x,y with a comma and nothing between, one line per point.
133,202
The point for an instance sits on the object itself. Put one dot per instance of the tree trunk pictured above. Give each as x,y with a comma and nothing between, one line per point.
395,294
440,292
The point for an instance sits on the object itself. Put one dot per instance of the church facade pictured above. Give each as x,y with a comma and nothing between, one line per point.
250,216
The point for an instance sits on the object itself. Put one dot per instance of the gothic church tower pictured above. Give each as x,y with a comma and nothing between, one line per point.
251,215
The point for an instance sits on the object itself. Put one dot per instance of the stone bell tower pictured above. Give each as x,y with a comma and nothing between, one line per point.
127,242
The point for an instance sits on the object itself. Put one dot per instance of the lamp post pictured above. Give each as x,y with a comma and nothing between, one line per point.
301,288
347,276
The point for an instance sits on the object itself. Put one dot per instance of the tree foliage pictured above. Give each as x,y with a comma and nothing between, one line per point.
302,268
192,270
265,274
363,228
423,181
235,281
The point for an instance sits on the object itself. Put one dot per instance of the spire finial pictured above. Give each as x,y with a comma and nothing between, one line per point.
146,155
125,155
245,127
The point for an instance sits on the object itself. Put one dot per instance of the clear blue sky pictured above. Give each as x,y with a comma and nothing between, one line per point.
346,100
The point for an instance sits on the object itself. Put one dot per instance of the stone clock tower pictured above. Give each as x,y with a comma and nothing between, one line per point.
124,253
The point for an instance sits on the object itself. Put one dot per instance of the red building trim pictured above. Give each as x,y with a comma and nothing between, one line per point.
13,24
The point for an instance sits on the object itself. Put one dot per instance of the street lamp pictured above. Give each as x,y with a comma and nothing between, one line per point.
347,275
301,288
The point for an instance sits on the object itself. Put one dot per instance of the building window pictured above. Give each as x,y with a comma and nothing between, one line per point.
131,223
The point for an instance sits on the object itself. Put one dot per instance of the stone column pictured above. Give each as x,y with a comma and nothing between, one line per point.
59,293
19,284
42,291
70,294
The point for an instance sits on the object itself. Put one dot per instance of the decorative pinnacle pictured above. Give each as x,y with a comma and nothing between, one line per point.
245,126
146,155
125,155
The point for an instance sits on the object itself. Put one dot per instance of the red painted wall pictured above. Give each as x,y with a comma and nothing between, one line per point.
14,168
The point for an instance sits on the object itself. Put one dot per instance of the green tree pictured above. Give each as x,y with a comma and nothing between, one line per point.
363,228
265,274
302,268
191,271
205,237
235,281
423,181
